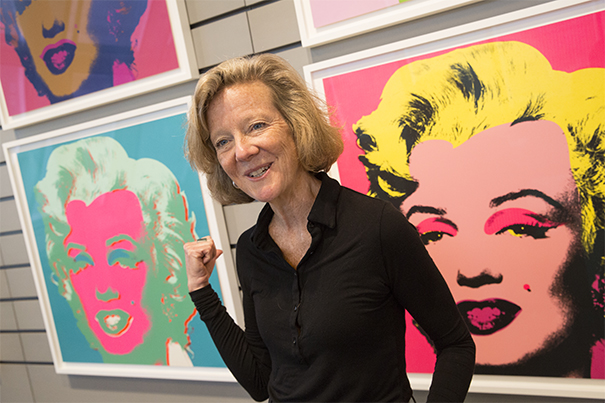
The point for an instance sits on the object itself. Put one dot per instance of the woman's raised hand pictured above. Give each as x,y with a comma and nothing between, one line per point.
200,257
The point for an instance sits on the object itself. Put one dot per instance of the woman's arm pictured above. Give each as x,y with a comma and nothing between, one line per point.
420,288
244,353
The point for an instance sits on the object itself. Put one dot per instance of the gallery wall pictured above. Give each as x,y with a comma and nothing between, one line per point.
220,29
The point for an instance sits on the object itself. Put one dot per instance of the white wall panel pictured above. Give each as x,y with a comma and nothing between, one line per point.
5,135
199,10
15,385
36,347
21,282
5,185
8,320
13,249
28,314
222,40
240,217
9,218
297,57
4,287
273,25
10,347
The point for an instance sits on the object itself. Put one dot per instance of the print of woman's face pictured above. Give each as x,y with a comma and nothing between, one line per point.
57,37
500,217
109,273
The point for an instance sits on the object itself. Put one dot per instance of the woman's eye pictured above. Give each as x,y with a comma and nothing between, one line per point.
220,143
524,230
258,126
432,236
123,258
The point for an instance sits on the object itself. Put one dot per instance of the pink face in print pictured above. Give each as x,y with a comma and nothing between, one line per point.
111,273
500,217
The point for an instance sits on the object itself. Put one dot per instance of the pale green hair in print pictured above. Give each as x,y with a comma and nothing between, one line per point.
115,227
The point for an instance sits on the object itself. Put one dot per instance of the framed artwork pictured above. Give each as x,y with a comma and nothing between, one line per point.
489,137
324,21
63,56
105,208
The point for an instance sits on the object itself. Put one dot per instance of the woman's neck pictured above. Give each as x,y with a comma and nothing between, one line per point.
288,228
292,211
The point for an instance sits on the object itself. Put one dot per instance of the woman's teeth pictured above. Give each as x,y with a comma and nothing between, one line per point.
259,172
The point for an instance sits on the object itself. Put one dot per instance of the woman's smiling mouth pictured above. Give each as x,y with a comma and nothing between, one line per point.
488,316
259,172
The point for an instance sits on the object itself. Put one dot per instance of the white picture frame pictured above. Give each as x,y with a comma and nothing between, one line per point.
23,93
436,43
366,20
154,132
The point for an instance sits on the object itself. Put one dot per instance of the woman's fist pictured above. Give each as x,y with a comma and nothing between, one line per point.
200,257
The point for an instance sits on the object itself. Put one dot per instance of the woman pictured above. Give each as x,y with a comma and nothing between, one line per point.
497,159
326,273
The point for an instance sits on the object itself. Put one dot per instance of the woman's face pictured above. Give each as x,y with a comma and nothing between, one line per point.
110,273
253,142
57,37
500,217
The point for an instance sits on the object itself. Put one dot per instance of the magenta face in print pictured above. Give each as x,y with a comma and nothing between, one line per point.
110,278
501,234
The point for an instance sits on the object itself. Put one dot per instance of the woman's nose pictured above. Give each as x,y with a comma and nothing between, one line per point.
244,149
485,277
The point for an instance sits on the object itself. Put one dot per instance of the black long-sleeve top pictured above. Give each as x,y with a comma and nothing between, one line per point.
333,328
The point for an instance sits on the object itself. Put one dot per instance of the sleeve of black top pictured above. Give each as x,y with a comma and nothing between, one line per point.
244,353
421,289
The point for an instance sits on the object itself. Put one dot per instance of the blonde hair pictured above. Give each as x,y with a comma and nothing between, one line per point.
464,92
318,143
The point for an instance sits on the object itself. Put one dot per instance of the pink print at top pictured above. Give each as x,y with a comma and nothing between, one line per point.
121,73
111,274
326,12
152,43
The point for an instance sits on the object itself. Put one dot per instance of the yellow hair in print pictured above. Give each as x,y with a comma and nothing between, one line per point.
454,96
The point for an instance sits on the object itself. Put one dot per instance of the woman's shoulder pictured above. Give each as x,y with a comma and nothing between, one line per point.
383,214
367,204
